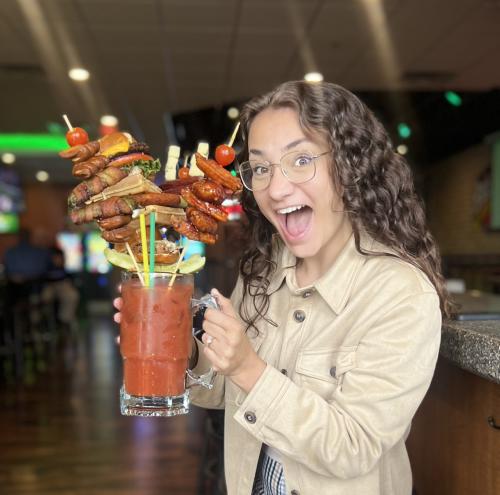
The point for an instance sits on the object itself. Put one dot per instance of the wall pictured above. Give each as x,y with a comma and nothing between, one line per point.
45,213
450,188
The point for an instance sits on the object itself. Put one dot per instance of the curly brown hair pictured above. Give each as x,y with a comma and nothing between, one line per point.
376,184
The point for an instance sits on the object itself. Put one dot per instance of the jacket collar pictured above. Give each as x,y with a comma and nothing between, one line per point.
336,285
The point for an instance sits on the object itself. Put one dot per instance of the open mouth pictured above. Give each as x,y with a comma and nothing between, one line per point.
295,220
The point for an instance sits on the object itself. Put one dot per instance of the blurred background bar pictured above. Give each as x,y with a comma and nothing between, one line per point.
178,72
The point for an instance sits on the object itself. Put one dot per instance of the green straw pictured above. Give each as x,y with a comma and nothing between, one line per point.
152,239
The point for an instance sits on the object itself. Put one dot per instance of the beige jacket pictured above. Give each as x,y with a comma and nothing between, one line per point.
347,367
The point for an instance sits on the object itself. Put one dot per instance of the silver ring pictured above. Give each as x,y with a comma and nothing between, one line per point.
210,339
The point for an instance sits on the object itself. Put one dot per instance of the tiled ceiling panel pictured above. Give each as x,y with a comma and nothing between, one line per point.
149,57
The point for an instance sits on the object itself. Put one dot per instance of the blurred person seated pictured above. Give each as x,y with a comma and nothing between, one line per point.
25,266
59,288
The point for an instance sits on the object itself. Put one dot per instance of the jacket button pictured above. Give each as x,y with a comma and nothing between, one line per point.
294,492
250,417
284,372
299,316
333,371
307,293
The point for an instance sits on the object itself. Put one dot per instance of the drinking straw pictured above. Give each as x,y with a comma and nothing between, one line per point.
233,136
184,251
131,254
152,244
144,245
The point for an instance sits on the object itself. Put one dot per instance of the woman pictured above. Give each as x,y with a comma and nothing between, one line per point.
329,341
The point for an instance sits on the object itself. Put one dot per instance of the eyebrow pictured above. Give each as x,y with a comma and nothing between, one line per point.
286,148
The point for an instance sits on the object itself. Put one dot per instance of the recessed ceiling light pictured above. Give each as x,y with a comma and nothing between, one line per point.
313,77
233,113
109,120
79,74
42,176
8,158
402,149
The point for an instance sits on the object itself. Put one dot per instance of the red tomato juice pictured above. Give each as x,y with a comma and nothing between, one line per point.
155,337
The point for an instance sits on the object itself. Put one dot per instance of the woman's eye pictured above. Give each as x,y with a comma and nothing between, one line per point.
303,161
260,170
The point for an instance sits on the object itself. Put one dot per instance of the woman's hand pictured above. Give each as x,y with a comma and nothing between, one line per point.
228,347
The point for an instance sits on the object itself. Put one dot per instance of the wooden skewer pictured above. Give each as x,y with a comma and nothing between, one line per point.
233,136
68,123
184,251
131,254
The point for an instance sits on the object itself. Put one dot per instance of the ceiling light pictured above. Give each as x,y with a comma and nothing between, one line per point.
109,120
79,74
8,158
42,176
402,149
313,77
233,113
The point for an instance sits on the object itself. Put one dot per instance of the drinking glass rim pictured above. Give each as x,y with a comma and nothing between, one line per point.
125,274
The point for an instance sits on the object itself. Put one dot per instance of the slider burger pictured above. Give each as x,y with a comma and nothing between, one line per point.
166,253
106,163
119,150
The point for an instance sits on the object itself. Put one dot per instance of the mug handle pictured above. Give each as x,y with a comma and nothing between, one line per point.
199,307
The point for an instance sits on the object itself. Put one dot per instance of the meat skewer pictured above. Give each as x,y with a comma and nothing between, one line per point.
86,189
103,209
81,152
89,167
202,221
208,190
208,208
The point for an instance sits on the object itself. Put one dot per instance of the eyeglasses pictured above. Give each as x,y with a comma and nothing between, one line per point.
297,166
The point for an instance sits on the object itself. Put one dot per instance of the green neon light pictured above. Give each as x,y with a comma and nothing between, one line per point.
32,143
453,98
404,130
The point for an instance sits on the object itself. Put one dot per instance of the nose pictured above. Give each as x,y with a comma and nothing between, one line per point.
279,186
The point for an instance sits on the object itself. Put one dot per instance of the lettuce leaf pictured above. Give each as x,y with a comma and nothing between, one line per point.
148,167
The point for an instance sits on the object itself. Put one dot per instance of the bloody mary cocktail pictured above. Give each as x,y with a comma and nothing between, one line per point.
155,335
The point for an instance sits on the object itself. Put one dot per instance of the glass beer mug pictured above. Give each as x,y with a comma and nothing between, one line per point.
155,342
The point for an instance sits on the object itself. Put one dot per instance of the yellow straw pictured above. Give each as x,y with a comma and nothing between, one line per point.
233,136
184,251
131,254
152,245
144,245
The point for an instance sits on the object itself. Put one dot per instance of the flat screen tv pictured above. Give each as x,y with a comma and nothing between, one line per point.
9,223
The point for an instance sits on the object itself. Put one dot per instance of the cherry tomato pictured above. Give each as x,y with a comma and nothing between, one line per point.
184,173
224,155
77,136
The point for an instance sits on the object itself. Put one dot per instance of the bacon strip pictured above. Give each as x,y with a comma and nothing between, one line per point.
207,208
217,173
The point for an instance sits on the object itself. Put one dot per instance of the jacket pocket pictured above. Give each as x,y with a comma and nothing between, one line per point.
323,370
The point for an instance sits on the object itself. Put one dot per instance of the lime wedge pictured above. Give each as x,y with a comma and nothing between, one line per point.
123,260
192,265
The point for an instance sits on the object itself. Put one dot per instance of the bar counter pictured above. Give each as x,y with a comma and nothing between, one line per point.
473,346
455,437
